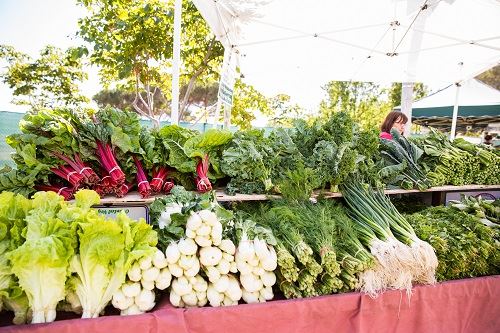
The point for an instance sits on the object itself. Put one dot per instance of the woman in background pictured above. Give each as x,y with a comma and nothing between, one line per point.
395,119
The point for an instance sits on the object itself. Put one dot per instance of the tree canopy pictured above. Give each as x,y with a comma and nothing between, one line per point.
49,81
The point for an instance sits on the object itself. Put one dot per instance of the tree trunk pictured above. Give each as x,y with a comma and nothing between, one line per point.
193,78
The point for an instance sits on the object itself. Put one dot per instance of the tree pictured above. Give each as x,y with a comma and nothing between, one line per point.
419,91
363,100
283,111
246,100
49,81
132,44
491,77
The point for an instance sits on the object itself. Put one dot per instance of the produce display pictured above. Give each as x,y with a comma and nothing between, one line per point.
458,162
62,150
84,255
464,246
198,253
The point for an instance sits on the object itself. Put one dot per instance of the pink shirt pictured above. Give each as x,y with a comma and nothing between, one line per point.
385,135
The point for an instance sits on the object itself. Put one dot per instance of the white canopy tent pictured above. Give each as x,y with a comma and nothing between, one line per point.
296,46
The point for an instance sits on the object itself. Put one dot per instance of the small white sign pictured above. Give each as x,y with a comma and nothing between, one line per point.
227,80
134,212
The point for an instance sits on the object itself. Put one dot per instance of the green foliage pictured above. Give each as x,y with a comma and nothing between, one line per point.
419,91
49,81
132,42
464,247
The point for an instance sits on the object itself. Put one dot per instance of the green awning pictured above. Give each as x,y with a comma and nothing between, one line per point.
463,111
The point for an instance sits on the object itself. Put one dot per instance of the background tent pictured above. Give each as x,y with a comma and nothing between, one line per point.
296,46
478,106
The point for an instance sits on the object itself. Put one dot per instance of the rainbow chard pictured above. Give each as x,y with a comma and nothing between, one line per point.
66,192
90,177
142,180
158,180
202,182
68,173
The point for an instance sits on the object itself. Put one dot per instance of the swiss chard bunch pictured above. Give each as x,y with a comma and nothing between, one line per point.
191,152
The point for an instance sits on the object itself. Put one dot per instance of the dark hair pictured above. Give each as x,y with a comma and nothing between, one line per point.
391,118
488,137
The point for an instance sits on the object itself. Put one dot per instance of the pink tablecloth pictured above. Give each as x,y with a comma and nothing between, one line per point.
471,305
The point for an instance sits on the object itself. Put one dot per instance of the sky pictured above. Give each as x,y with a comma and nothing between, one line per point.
30,25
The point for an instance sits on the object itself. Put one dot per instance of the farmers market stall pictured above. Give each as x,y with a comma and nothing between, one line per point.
455,306
196,252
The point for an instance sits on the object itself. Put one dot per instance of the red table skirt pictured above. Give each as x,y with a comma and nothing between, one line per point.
471,305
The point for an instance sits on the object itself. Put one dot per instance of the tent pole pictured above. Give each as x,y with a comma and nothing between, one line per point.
174,118
406,102
455,112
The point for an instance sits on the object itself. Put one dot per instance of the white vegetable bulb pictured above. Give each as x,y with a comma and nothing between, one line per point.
251,282
190,299
120,301
148,285
216,240
131,289
233,268
216,231
194,221
146,300
254,261
187,246
204,230
208,216
145,262
201,286
150,274
175,299
213,273
249,297
267,293
222,284
190,233
227,246
227,301
133,310
210,256
172,253
243,267
260,247
234,290
223,266
186,262
203,241
134,273
228,257
271,262
193,270
214,297
202,301
268,279
246,250
159,260
258,270
175,270
181,286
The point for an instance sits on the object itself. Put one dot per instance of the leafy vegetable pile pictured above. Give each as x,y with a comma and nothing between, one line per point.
83,255
62,150
401,160
464,246
458,162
